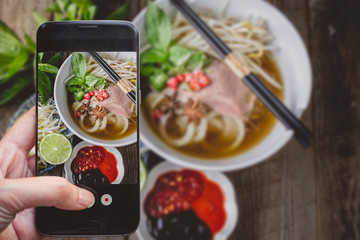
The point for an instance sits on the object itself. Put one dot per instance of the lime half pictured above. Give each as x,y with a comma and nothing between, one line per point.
55,148
143,175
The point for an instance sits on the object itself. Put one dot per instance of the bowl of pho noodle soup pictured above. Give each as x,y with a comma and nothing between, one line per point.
106,116
207,118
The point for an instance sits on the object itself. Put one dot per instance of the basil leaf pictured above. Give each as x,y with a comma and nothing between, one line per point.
54,7
91,12
196,61
30,43
40,57
39,19
10,44
44,86
157,27
75,81
101,84
78,64
179,55
71,11
14,66
48,68
73,88
91,80
15,86
153,56
149,70
121,13
158,81
79,95
56,60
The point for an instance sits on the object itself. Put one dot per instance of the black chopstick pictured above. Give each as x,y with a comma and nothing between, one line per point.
302,134
114,76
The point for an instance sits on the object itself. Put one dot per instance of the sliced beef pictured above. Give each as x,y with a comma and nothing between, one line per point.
117,102
226,94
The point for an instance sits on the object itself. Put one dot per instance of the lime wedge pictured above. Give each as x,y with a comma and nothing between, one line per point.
143,174
55,148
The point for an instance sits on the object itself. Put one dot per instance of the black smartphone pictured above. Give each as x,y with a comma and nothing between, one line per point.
88,128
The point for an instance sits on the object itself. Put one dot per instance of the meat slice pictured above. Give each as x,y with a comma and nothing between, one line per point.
117,102
226,94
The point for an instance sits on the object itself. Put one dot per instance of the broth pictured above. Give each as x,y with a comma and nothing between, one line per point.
256,129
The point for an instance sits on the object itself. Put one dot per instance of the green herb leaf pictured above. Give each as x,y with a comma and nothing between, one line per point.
91,12
71,11
179,55
157,27
102,83
40,57
10,44
122,13
63,4
149,70
15,86
30,43
59,17
39,19
82,4
13,67
79,95
48,68
91,80
72,89
54,7
78,64
44,86
76,81
56,60
153,56
158,81
196,61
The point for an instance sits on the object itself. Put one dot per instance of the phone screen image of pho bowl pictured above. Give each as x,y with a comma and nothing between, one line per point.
87,128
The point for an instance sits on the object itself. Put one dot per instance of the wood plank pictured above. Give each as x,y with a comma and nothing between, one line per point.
334,44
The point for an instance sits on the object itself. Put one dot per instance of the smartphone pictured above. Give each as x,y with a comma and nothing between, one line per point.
88,128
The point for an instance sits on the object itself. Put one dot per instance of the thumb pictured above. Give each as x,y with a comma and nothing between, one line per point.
18,194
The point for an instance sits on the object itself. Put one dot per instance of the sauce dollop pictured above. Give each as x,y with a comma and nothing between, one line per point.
90,158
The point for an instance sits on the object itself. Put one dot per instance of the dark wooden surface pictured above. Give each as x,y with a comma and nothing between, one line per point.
296,194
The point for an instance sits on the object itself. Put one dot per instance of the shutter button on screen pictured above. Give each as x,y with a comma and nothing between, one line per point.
106,199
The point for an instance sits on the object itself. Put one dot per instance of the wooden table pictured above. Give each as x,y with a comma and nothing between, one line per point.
297,193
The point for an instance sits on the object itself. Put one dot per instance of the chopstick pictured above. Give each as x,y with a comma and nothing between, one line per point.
302,133
114,76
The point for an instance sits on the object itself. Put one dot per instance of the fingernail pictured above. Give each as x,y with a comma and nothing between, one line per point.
86,198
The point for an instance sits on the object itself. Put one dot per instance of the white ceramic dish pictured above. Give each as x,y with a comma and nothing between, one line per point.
294,64
117,154
60,96
221,179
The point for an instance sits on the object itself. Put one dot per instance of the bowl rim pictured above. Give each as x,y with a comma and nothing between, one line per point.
80,133
221,179
202,164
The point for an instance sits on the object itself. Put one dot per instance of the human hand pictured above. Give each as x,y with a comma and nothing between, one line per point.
20,192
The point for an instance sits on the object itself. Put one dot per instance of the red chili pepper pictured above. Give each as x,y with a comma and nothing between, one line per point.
157,114
87,96
188,77
91,93
172,83
194,85
179,78
204,80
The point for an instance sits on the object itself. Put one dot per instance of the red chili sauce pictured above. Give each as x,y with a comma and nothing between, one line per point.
89,158
177,191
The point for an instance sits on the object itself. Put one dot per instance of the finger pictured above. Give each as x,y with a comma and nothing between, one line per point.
19,194
22,134
31,166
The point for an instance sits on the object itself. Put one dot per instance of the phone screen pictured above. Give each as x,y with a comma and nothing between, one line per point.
87,133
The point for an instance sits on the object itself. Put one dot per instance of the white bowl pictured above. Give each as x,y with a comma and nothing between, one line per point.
117,155
294,64
61,101
225,184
